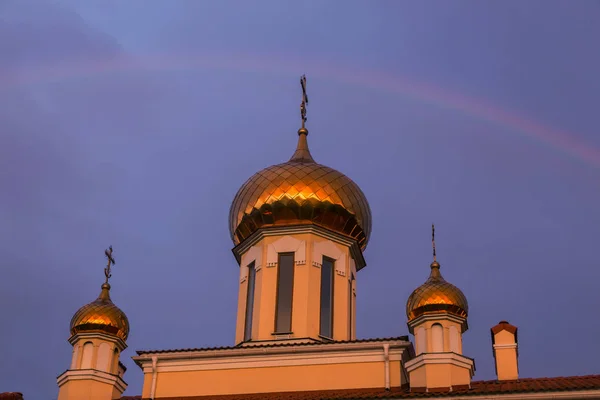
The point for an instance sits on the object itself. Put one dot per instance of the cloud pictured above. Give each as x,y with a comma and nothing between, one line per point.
52,181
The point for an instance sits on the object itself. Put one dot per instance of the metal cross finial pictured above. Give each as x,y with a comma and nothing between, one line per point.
111,261
304,99
433,240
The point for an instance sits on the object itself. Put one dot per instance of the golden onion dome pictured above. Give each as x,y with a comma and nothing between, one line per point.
300,191
101,315
436,295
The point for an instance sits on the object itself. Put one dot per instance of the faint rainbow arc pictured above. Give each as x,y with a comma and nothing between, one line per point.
559,139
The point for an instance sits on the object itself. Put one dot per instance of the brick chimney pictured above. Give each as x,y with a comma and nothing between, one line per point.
506,351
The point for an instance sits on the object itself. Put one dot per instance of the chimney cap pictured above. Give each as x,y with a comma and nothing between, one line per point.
503,326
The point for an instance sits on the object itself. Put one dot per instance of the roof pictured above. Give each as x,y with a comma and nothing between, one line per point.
300,190
436,295
11,396
101,315
527,385
248,345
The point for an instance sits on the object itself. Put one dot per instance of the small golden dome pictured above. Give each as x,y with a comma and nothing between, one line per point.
300,191
101,315
436,295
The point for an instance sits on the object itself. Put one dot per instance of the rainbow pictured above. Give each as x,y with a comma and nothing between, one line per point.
285,65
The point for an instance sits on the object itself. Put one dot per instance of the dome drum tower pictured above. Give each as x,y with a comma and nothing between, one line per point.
299,229
99,331
437,317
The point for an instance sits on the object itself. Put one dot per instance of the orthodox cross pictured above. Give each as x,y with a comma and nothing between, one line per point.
433,240
111,261
304,99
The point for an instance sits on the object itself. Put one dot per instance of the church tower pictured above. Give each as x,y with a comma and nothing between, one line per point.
98,334
437,317
299,230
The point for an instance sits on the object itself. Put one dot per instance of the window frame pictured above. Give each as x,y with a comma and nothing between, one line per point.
331,298
351,306
291,288
249,312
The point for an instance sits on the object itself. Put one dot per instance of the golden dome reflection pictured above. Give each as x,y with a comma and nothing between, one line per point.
436,295
300,191
101,315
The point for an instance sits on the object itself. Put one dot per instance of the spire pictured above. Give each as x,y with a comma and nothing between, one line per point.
435,266
105,293
433,241
302,153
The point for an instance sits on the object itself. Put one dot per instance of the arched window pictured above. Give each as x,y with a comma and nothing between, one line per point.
103,363
454,340
75,355
86,358
421,339
437,338
115,362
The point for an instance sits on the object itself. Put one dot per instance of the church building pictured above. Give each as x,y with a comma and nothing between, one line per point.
299,230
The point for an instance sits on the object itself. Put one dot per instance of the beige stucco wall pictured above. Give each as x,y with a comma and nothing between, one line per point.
439,362
504,337
273,379
506,358
112,356
306,291
439,376
87,390
98,379
446,325
147,385
452,330
506,364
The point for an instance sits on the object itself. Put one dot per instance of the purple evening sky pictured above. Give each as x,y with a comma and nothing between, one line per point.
133,123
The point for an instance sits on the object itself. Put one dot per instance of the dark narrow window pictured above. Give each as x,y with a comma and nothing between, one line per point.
249,301
326,323
350,306
285,288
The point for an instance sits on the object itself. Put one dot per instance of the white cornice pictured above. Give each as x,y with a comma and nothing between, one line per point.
505,346
265,354
437,316
120,343
441,358
261,233
92,375
273,360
